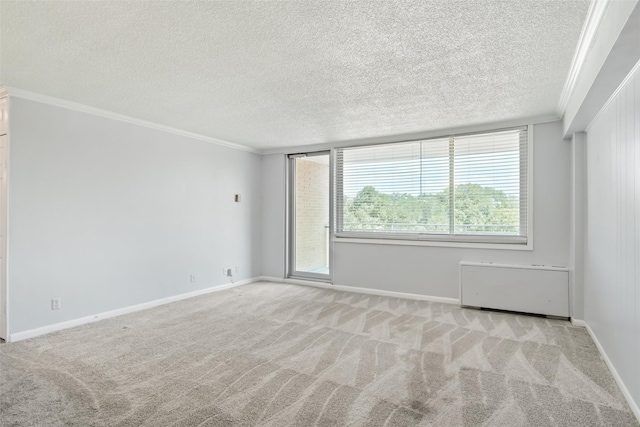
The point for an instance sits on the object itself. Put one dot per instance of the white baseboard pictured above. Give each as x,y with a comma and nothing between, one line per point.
623,388
271,279
394,294
578,322
369,291
37,97
18,336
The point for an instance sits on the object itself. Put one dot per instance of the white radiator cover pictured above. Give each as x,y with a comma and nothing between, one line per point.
529,289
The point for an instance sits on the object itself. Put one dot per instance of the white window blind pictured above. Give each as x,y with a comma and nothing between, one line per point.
461,188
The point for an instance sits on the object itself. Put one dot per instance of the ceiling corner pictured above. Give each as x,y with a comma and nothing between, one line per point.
596,11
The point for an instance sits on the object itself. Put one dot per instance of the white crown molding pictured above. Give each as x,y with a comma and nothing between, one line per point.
437,133
613,96
32,96
592,22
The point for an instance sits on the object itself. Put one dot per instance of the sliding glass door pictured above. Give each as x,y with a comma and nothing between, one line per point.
309,216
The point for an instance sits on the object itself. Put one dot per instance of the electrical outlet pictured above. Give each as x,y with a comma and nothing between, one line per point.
192,278
55,304
229,272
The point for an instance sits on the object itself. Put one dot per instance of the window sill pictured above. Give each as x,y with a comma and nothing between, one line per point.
434,243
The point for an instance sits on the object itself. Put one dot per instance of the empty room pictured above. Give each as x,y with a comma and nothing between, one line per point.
320,213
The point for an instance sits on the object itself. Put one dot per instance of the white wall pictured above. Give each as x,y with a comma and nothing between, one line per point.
612,249
610,57
106,214
578,221
433,271
606,194
273,215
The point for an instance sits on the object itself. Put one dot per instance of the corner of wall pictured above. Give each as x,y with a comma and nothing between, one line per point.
612,54
577,222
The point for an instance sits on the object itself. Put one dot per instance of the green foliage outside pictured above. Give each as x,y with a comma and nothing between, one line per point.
478,210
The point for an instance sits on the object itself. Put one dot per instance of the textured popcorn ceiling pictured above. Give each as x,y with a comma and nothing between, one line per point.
273,74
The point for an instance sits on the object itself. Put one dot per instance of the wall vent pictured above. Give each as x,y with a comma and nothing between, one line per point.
525,288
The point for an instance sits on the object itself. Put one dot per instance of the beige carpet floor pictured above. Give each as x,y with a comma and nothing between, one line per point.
278,355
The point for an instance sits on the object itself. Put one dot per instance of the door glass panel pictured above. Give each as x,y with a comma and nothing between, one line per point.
311,197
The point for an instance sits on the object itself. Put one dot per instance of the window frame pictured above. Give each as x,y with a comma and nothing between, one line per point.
443,240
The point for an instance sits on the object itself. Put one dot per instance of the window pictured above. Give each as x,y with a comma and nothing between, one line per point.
469,188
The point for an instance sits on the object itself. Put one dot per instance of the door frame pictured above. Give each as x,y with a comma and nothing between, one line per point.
4,175
291,272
